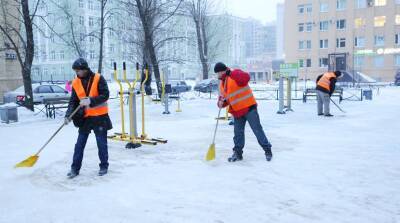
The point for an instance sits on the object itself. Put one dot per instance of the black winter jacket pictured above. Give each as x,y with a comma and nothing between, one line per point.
92,123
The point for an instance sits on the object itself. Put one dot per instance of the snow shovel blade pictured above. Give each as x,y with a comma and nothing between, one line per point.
29,162
211,153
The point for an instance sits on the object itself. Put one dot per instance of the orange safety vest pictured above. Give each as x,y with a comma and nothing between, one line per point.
325,80
237,97
101,109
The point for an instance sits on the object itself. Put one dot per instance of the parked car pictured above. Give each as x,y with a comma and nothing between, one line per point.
179,87
40,92
206,86
397,79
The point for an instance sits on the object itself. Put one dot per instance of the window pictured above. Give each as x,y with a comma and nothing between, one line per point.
301,27
111,33
397,60
359,41
358,61
91,54
323,62
111,48
323,44
91,21
380,2
62,70
379,21
82,37
323,25
52,55
396,39
91,39
300,9
379,61
304,44
308,8
361,4
379,40
81,4
324,7
308,62
341,42
341,4
57,89
397,1
90,5
308,44
81,20
301,45
308,26
341,24
62,55
44,89
397,20
301,63
358,22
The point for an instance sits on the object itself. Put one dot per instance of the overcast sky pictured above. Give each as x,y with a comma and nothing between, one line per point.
263,10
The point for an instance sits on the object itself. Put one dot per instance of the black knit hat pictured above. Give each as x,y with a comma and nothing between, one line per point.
220,67
338,73
80,64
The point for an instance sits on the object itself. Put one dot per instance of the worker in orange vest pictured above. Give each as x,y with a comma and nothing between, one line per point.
325,87
236,93
90,91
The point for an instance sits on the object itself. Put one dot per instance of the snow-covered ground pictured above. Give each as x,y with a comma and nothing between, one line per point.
341,169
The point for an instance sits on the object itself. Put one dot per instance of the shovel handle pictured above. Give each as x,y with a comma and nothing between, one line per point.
69,117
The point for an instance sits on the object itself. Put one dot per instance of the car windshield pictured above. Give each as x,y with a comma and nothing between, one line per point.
57,89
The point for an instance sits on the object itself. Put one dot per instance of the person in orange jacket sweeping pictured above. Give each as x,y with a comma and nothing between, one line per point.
236,93
89,91
325,87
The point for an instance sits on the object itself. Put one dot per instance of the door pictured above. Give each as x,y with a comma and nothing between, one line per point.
340,63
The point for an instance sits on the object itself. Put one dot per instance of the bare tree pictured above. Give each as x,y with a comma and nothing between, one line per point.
70,34
21,40
198,10
152,16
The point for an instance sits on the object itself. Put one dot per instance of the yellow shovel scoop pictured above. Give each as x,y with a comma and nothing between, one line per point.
30,161
211,150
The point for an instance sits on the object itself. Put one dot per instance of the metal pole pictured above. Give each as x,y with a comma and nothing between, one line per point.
166,96
281,111
289,94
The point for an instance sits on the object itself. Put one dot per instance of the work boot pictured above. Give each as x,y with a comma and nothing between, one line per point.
236,156
328,115
268,154
73,173
103,171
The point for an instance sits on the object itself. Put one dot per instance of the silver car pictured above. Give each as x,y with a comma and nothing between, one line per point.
40,92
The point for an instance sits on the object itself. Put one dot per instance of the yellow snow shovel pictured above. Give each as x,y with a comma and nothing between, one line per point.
30,161
211,150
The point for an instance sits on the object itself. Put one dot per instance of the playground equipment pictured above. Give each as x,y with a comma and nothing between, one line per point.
133,140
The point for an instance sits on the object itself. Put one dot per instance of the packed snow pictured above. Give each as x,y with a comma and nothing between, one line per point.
340,169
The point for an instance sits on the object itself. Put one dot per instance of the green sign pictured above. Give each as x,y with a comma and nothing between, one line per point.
289,70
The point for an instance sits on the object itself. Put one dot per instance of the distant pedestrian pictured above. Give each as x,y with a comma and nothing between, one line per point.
68,86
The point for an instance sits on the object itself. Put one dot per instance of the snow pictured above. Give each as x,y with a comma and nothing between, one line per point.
340,169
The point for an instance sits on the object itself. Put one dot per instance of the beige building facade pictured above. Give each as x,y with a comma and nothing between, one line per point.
10,70
352,35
